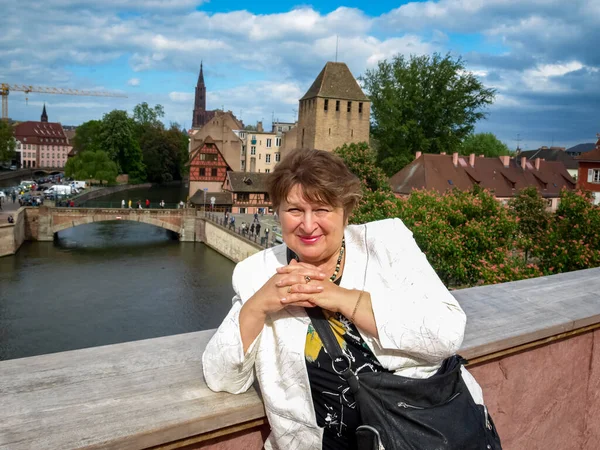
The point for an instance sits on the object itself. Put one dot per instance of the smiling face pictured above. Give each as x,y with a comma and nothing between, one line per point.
314,231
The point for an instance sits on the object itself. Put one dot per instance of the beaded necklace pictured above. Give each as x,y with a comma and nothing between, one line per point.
339,261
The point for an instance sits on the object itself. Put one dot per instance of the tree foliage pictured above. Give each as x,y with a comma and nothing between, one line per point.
87,136
486,144
530,209
378,201
145,115
92,164
118,140
572,239
424,103
7,141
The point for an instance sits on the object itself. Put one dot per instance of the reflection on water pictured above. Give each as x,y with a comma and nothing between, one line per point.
105,283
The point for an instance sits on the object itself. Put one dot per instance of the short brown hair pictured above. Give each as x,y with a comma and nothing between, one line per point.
323,177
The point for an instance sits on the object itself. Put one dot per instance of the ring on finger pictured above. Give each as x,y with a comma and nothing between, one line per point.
289,289
307,278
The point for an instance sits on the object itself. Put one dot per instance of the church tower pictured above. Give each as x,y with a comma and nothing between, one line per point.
44,117
198,118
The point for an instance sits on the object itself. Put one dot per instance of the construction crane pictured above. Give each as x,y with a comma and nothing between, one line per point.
5,88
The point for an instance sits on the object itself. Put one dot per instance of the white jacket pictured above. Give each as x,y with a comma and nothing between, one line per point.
419,323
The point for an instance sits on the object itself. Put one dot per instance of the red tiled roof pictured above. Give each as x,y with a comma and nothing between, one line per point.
41,133
593,155
437,172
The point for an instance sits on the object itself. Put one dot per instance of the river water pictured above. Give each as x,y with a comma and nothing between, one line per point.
109,282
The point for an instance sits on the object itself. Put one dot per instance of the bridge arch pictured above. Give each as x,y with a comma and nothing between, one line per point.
65,218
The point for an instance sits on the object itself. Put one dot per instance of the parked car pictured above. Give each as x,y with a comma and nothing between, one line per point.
13,167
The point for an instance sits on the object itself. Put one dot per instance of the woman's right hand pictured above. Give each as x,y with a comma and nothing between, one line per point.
268,299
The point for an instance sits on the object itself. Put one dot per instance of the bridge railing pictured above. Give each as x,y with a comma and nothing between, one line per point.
263,239
117,204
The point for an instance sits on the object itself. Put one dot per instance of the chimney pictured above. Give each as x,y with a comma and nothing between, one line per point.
524,162
472,159
455,159
259,127
418,155
505,160
537,163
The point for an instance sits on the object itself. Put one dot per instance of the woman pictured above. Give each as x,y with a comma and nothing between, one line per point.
387,306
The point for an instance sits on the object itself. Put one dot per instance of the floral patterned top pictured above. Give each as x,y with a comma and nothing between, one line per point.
334,404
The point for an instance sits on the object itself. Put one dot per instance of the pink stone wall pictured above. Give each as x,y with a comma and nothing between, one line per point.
547,397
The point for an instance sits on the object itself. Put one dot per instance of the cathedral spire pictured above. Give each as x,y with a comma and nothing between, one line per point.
201,76
44,115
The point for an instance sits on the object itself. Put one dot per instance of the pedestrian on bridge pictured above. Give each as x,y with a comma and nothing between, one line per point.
252,229
147,204
258,229
129,204
123,203
162,204
14,196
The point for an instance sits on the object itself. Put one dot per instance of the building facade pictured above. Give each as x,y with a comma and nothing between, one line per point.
200,115
334,111
42,144
249,193
260,150
589,172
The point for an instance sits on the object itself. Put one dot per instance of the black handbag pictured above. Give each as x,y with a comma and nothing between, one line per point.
400,413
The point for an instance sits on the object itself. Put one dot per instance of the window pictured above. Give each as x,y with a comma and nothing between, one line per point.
253,150
360,108
326,104
267,170
208,157
277,157
349,106
259,155
243,197
269,141
243,150
277,142
268,158
279,129
594,175
213,172
202,172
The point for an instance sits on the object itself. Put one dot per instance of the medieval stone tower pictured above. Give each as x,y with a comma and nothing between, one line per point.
334,111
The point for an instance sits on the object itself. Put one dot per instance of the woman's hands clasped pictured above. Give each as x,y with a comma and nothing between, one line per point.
311,292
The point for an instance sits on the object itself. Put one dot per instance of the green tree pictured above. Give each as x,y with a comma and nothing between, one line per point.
378,201
529,208
119,141
425,103
486,144
144,114
572,241
92,164
250,127
7,142
88,136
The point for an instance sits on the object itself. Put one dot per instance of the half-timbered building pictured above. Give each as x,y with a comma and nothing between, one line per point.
208,167
249,191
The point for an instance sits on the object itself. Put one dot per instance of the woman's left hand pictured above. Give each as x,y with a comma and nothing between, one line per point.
331,296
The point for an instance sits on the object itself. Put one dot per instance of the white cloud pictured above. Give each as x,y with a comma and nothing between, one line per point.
181,97
133,82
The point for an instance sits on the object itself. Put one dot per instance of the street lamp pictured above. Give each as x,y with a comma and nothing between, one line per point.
204,203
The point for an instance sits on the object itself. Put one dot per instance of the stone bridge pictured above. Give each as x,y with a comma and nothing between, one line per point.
51,220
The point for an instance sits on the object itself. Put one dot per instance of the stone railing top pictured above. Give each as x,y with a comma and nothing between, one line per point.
140,394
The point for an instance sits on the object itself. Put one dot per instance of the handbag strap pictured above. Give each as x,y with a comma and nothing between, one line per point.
332,346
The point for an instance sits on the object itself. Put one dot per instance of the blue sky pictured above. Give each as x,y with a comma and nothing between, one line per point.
260,57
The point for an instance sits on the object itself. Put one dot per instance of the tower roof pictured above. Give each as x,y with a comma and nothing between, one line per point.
201,75
336,81
44,117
